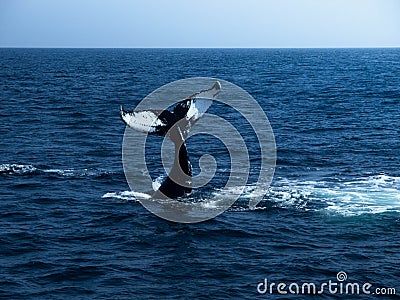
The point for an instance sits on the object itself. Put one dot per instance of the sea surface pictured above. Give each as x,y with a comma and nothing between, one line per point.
71,228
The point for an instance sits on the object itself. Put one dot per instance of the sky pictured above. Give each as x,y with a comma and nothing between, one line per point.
199,23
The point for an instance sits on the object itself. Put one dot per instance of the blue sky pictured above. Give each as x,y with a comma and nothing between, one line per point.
200,23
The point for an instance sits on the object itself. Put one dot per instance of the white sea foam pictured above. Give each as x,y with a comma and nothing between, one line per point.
76,172
127,195
157,182
373,194
22,169
366,195
17,168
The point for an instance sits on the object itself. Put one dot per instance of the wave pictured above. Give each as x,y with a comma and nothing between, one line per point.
365,195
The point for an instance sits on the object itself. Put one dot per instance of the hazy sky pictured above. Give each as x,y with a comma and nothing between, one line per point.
200,23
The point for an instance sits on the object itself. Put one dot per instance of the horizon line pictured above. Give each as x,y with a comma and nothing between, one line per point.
302,47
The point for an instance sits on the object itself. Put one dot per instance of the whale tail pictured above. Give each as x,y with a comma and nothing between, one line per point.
159,122
176,124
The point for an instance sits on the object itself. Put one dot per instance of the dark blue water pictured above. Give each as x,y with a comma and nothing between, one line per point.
70,228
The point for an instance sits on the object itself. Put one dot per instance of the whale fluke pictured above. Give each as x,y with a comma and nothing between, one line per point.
159,122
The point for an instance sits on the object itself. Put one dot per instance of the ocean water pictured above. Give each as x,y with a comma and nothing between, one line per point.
71,228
